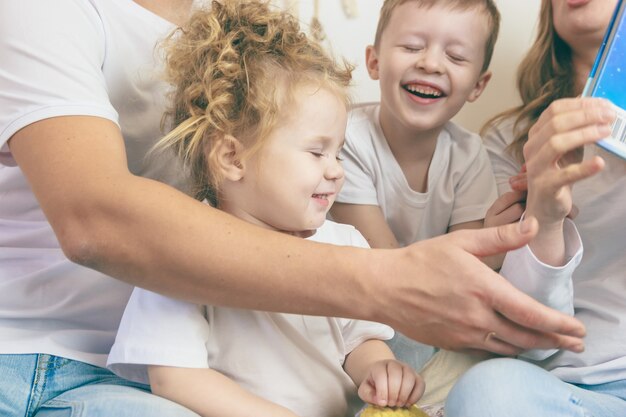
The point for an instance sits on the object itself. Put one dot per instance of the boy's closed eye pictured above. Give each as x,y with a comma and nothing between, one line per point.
457,54
412,48
457,58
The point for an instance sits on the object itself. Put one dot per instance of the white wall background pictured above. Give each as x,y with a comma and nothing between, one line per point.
349,37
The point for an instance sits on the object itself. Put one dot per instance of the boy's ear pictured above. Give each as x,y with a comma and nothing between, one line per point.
227,157
482,82
371,62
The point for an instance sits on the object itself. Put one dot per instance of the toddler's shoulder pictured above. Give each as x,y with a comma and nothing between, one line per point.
339,234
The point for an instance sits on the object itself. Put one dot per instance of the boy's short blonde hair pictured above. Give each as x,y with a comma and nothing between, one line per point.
488,6
235,68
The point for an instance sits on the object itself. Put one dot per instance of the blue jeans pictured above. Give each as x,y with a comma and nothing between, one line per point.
51,386
414,354
514,388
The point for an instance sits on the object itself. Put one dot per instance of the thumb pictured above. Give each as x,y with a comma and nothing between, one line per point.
367,393
494,240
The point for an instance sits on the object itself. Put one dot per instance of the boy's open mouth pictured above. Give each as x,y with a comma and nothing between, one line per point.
423,91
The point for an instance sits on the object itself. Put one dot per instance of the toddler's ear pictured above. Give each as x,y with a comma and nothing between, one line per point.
371,62
482,82
226,156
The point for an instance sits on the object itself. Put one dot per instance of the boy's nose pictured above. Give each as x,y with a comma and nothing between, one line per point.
431,61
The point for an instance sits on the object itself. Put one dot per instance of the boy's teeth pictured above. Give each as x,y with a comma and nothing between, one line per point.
423,90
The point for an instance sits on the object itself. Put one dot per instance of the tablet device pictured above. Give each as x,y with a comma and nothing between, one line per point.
607,79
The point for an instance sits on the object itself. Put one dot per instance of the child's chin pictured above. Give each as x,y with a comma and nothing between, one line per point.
304,233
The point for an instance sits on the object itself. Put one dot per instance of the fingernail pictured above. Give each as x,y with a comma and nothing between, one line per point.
579,348
608,113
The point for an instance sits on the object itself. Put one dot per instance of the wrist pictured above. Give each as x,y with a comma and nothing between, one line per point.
376,287
360,282
549,244
547,221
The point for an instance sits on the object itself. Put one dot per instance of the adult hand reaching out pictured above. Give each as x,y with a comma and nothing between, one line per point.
507,208
460,303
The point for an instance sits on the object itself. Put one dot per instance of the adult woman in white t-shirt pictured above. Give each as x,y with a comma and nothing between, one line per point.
551,129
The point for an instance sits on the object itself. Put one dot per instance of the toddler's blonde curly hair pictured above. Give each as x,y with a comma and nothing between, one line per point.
235,68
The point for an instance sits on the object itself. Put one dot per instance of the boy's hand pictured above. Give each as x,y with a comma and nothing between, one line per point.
508,208
390,383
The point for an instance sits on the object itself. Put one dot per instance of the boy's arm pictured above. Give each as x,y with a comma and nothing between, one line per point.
210,394
367,219
474,224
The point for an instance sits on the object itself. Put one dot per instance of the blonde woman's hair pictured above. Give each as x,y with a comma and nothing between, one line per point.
488,6
233,68
544,75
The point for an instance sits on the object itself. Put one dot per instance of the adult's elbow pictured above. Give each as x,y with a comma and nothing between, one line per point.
79,243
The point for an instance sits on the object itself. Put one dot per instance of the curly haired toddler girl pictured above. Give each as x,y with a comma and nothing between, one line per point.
259,114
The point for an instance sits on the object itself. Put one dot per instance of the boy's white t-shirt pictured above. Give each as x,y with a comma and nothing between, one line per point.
289,359
461,186
61,58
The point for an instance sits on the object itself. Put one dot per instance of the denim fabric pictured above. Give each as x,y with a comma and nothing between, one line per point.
414,354
50,386
514,388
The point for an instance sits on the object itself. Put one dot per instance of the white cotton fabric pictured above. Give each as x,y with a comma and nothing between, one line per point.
460,182
289,359
62,58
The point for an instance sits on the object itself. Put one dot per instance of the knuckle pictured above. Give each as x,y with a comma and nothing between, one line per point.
553,124
553,108
556,144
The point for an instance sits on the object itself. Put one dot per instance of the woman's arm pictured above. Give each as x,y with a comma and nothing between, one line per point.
148,234
196,390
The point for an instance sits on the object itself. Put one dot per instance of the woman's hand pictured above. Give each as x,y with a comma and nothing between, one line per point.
519,183
553,154
554,163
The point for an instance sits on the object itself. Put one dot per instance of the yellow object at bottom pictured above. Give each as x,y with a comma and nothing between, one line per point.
375,411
